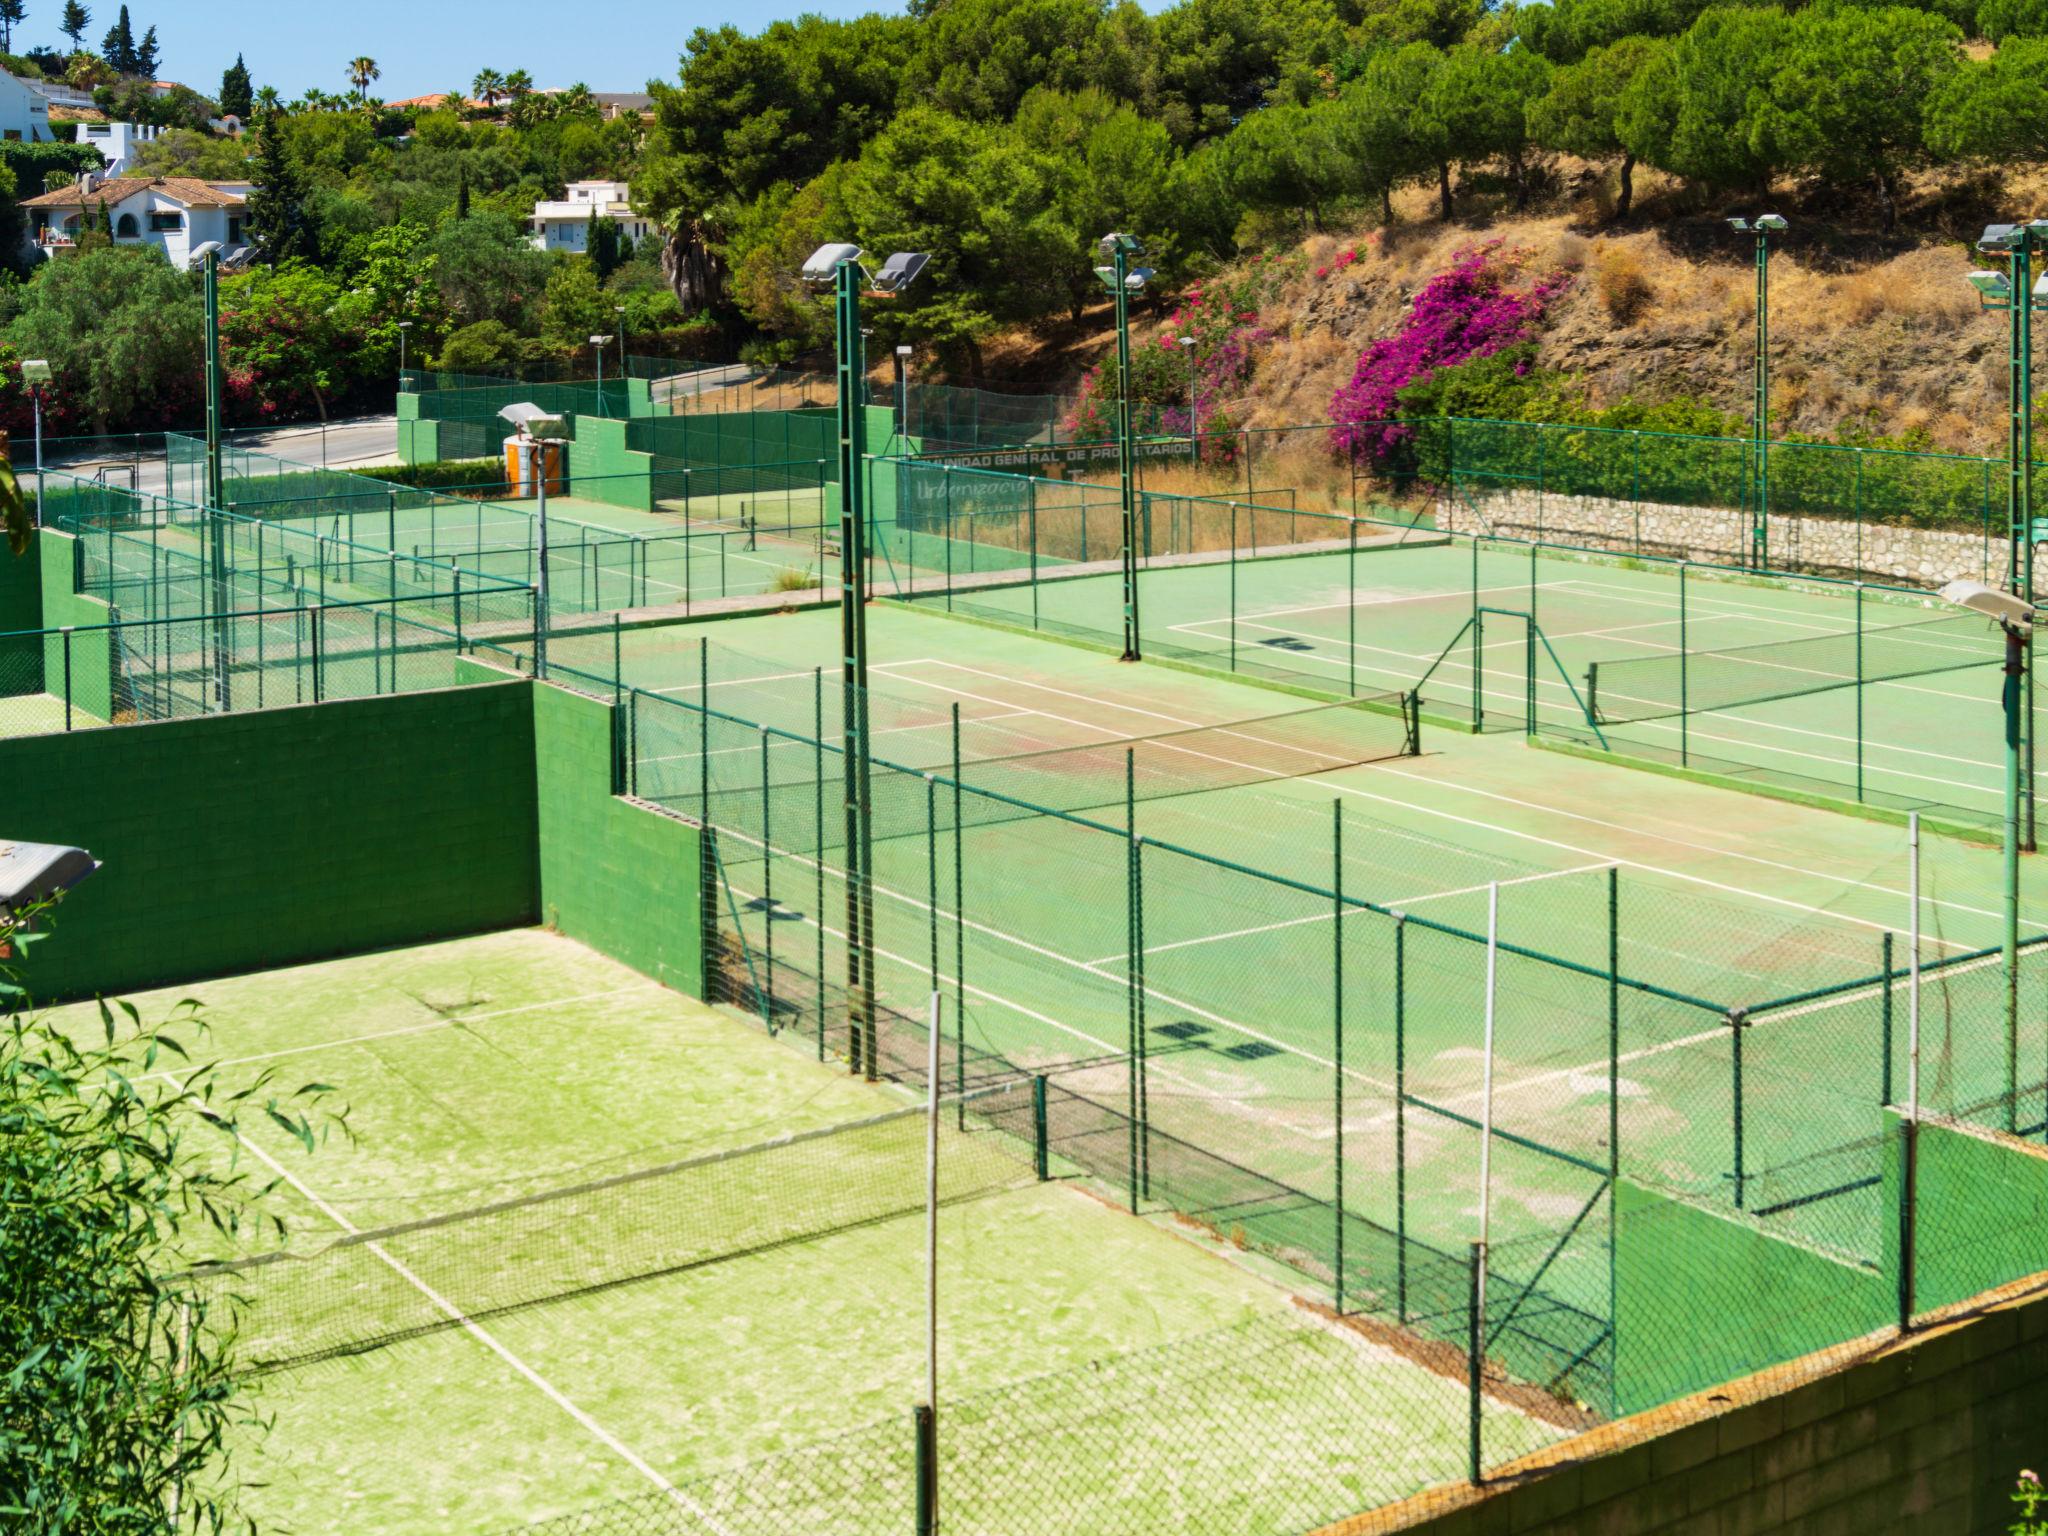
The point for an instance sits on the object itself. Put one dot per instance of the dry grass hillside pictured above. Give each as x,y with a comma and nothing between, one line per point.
1869,333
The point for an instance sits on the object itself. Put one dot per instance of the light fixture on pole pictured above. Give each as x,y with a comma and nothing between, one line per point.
36,374
216,490
403,327
2015,616
2017,295
837,269
1763,226
1187,344
32,874
1122,280
597,346
533,427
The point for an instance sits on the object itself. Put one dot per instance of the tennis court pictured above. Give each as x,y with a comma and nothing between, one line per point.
593,1272
1927,736
1682,894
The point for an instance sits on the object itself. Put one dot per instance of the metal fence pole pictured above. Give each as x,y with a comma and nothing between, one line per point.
1040,1162
1475,1355
1684,677
66,632
1401,1117
1337,1043
1737,1021
1885,1020
818,836
959,937
1858,594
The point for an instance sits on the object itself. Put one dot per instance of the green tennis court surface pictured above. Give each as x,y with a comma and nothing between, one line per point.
486,1071
1721,903
1385,617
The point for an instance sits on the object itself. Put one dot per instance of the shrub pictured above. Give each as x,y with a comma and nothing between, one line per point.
1623,286
442,474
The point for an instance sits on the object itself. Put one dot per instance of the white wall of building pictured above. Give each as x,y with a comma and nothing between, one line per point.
24,112
563,224
117,142
154,217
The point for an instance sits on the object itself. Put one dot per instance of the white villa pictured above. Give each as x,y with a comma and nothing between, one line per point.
116,142
24,111
565,225
176,214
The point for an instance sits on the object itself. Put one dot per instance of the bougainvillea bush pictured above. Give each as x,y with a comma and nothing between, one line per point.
1473,310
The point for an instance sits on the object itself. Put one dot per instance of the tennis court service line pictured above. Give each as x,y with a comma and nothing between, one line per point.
476,1331
1573,849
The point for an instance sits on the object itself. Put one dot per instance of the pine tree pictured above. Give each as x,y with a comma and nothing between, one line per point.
118,46
76,19
148,54
12,12
236,97
278,216
462,189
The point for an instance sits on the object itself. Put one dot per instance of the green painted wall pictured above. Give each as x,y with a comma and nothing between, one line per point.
1704,1296
237,842
93,653
603,467
1982,1211
620,877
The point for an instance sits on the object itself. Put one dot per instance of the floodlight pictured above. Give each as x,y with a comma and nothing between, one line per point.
826,261
600,341
905,351
210,248
405,325
1992,285
1137,278
1999,237
1187,341
900,271
1130,245
2006,607
1771,222
35,370
1740,226
530,418
33,872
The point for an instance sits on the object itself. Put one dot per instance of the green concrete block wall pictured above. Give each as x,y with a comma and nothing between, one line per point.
1704,1296
419,442
604,468
1982,1212
21,608
621,877
237,842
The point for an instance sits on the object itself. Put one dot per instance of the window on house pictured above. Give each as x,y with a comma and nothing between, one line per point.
164,221
125,227
14,135
234,228
97,130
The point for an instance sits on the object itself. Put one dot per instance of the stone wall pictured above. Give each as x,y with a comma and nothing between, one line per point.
1918,557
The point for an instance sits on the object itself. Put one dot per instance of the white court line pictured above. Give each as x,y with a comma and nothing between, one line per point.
392,1034
477,1332
1404,905
1578,852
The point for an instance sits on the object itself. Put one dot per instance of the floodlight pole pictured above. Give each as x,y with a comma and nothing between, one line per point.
2016,637
539,460
849,354
35,395
1126,454
215,486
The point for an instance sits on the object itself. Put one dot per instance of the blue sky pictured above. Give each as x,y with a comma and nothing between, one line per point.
423,45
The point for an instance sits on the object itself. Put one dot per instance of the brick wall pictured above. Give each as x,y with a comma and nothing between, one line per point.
1921,1436
235,842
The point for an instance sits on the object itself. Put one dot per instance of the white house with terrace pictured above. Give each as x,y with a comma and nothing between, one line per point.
564,224
176,214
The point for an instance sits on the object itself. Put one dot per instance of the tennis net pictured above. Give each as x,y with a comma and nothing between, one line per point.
375,1288
740,797
1688,682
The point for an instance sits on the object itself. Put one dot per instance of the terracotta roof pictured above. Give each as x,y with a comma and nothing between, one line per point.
189,190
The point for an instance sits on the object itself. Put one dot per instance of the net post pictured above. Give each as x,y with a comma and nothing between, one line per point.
1737,1022
1040,1162
1233,586
1337,1043
1885,1019
1475,1356
1478,668
1401,1117
1031,522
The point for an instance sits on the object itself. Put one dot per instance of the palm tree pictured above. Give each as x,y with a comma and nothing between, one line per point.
518,83
267,100
487,87
362,70
576,98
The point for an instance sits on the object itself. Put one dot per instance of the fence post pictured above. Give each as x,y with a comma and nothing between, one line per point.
1737,1022
1885,1016
1858,595
818,836
318,620
1040,1161
1337,1040
1351,614
1401,1117
1684,678
66,631
1909,1210
1475,1354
